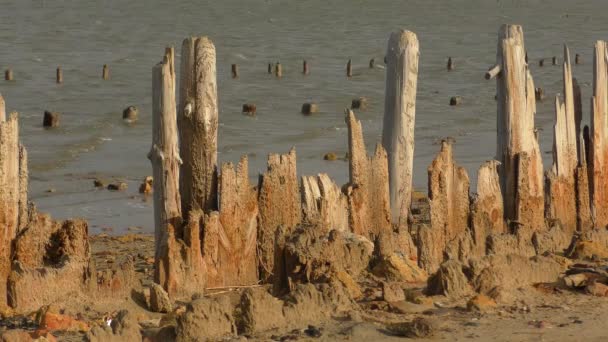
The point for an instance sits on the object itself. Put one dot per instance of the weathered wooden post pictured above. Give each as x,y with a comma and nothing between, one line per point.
577,59
198,123
8,75
450,65
164,154
9,194
521,169
399,120
178,256
2,109
371,63
105,73
278,70
349,69
305,67
269,68
367,190
561,179
59,75
599,136
235,70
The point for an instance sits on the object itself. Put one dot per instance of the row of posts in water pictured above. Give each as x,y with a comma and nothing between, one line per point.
278,69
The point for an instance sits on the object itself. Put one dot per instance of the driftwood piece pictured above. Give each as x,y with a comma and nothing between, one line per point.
399,119
599,136
449,202
198,123
516,133
323,203
230,235
561,179
487,211
9,196
279,206
367,190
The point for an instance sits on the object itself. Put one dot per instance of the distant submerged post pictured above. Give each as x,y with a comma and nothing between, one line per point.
399,118
349,69
59,76
106,72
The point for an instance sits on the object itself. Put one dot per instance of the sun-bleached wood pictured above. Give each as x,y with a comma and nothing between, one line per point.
367,190
493,72
164,154
198,123
487,211
399,120
323,203
516,108
23,188
2,109
599,136
9,197
561,200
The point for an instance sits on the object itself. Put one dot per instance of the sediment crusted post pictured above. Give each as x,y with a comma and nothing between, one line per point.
487,212
367,191
230,235
449,201
561,179
279,205
399,118
9,196
2,109
517,146
599,136
324,203
198,122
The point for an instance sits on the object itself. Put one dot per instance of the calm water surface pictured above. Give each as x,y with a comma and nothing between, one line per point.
38,35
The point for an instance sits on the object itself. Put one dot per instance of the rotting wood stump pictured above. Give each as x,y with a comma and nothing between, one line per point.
368,190
323,203
279,205
487,211
449,203
516,108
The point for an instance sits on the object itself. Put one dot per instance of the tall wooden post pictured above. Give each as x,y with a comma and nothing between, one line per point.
164,154
521,170
599,136
2,109
198,122
561,179
9,195
399,118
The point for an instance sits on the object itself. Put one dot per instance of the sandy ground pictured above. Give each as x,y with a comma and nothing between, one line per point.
547,313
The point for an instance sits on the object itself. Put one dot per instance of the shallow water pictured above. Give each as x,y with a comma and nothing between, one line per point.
38,35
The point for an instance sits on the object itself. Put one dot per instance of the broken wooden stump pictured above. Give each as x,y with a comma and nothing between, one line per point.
561,199
8,75
50,119
455,100
577,59
372,63
449,200
279,205
270,68
198,124
234,70
249,109
349,69
539,94
359,103
305,70
278,70
598,163
2,109
554,60
230,235
309,108
9,196
59,75
105,73
450,64
521,168
323,203
130,114
368,188
399,120
487,211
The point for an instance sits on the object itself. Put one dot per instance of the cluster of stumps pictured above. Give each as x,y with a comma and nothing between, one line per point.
214,229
